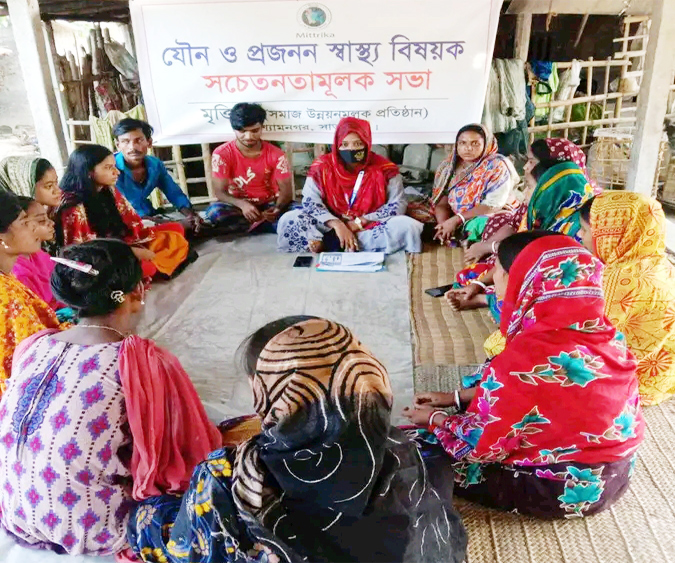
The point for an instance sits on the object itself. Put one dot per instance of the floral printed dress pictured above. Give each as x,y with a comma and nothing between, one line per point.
555,423
210,506
22,314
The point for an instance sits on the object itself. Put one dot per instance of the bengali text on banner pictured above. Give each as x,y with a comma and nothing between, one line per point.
416,69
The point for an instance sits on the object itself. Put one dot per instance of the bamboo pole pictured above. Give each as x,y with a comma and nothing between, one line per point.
208,170
589,93
606,89
579,124
580,100
595,63
289,156
180,167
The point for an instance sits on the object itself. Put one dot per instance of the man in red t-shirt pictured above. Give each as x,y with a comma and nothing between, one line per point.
251,177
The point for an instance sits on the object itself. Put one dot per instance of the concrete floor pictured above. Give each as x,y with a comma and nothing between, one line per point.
236,287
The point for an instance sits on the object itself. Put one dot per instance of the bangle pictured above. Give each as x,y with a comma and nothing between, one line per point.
480,283
495,246
458,403
461,217
359,223
433,414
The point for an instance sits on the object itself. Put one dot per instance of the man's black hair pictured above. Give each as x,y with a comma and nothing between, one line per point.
246,115
129,124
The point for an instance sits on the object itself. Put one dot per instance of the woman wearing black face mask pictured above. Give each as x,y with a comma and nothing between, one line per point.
352,200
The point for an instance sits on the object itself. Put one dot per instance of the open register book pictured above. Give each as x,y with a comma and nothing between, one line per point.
351,262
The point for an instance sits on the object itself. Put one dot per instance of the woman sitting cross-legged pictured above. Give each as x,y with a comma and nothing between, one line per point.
22,312
474,182
352,200
326,480
544,154
93,208
557,181
553,426
94,418
627,231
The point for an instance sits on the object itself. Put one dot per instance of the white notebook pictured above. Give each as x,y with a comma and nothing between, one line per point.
351,262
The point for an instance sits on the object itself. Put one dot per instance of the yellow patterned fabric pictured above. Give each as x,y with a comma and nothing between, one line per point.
23,314
494,344
639,282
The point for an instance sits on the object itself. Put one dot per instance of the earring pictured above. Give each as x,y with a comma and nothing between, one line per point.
4,245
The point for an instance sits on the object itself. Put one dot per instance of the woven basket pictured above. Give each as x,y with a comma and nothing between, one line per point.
609,156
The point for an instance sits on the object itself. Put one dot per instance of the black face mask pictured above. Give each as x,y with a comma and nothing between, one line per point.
353,156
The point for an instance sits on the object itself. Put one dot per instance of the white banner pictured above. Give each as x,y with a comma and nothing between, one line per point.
416,69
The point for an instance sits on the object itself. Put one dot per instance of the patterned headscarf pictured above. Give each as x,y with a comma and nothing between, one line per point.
336,182
629,236
546,274
559,194
564,150
627,226
325,402
328,470
18,174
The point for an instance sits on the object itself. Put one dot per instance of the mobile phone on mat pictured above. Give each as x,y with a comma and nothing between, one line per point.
438,291
303,262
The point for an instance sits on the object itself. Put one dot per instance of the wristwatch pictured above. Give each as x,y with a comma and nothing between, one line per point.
359,223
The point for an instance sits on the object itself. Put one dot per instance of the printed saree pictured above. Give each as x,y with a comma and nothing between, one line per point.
23,314
328,479
560,192
166,241
531,409
468,188
639,281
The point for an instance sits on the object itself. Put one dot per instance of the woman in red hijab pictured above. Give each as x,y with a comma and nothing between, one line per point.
552,427
352,200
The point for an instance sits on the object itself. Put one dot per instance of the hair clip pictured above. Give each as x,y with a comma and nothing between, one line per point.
79,266
117,296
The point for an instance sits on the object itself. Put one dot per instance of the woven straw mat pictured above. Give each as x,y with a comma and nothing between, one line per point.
440,335
639,528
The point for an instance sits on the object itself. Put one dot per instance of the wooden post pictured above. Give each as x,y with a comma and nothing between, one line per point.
589,92
288,149
523,32
580,33
177,155
208,169
653,98
32,48
129,39
57,81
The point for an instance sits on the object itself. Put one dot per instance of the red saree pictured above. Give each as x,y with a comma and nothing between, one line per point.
166,241
564,389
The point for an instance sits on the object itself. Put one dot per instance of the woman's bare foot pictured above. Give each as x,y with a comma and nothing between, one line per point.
457,303
315,246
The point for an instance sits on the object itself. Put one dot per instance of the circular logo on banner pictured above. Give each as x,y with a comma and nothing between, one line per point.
314,16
